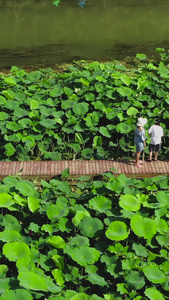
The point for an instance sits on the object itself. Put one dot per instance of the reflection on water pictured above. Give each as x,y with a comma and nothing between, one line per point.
37,32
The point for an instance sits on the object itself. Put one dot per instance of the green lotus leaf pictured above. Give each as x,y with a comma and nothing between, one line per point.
143,227
4,285
59,261
85,255
34,104
9,94
57,211
58,276
33,204
141,56
163,198
56,241
129,202
13,126
79,241
80,108
96,279
84,81
3,116
20,200
104,131
10,150
154,274
123,128
162,226
135,280
29,141
10,236
32,281
114,186
48,123
100,203
87,153
18,294
80,215
11,223
132,111
10,81
3,271
90,226
163,240
26,188
140,250
6,200
81,296
117,231
153,294
15,250
2,100
97,141
125,79
125,91
90,97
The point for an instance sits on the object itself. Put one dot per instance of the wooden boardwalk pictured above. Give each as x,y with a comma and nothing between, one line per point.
49,169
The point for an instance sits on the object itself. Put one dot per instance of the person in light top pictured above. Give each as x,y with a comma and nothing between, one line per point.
139,139
156,132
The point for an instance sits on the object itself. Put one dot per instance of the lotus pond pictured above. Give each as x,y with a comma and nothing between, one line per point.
105,238
86,111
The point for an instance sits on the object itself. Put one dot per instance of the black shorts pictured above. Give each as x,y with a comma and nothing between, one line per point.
154,148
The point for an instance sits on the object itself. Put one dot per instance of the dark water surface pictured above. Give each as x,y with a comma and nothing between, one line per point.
35,32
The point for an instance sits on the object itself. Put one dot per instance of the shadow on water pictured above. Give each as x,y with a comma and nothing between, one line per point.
35,32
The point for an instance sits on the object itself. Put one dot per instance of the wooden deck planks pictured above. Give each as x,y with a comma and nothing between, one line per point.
50,169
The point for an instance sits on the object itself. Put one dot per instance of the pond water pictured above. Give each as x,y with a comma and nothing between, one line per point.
35,32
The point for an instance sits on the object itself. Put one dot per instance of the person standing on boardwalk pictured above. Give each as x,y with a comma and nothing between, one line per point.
139,139
156,132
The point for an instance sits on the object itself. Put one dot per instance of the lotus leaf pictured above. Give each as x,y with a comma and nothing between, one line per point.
154,274
143,227
114,186
3,116
33,204
100,203
15,250
125,79
96,279
26,188
79,241
135,280
79,216
19,294
163,240
3,271
123,128
10,236
59,261
117,231
11,223
6,200
9,94
125,91
10,81
57,211
132,111
48,123
153,294
129,202
4,285
10,150
56,241
140,250
90,226
103,130
80,296
58,275
80,108
32,281
163,198
85,255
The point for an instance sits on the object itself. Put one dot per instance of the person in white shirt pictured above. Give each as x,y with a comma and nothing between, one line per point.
156,132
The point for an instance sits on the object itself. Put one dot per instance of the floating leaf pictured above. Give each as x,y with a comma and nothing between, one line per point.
58,275
81,296
34,104
18,294
56,241
117,231
143,227
90,226
154,274
129,202
126,79
132,111
135,280
123,128
141,56
100,203
10,81
32,281
33,204
3,271
15,250
26,188
57,211
103,130
6,200
10,236
85,255
80,215
153,294
96,279
10,150
81,108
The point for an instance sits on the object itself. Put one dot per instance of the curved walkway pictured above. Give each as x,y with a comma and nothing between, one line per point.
49,169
